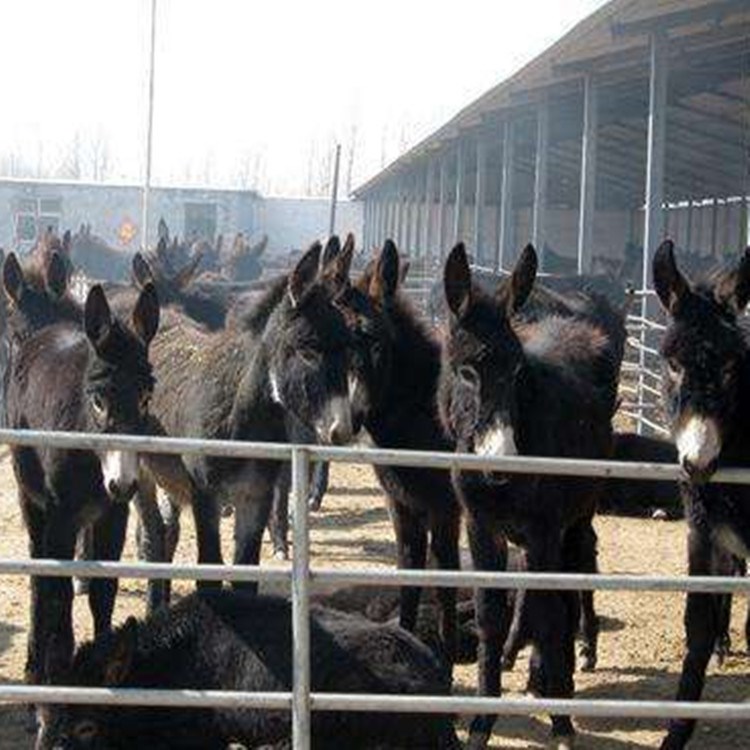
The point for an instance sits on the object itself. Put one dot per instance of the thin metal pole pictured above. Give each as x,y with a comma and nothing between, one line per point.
301,724
505,219
459,198
540,180
429,191
335,189
479,192
743,224
443,187
149,130
587,208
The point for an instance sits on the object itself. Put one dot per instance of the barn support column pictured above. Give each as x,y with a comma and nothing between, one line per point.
367,222
653,229
743,224
479,195
379,224
505,218
689,228
406,219
653,225
418,205
429,192
540,181
441,207
587,203
459,202
392,212
714,225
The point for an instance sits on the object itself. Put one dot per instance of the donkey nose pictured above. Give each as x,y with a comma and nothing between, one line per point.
339,433
696,473
121,491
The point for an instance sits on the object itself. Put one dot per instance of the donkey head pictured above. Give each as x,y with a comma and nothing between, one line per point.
105,662
39,294
483,360
704,353
118,380
308,345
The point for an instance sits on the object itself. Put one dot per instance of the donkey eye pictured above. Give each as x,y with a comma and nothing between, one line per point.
98,405
310,357
85,730
144,403
674,368
468,375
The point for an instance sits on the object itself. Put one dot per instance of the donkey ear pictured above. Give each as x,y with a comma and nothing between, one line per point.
457,281
733,290
336,271
13,280
304,273
142,273
162,230
97,317
384,283
516,290
146,314
57,275
405,266
331,251
119,660
669,283
66,242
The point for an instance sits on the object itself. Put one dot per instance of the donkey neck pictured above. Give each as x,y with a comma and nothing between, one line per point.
407,402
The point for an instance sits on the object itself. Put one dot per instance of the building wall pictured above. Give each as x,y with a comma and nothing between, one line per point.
114,211
293,223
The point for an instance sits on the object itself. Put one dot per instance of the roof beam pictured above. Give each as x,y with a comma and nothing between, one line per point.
714,12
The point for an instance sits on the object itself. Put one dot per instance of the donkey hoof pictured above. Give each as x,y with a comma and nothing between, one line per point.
80,586
660,514
563,742
281,554
589,662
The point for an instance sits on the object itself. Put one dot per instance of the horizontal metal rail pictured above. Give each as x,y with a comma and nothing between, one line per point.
374,456
382,576
427,704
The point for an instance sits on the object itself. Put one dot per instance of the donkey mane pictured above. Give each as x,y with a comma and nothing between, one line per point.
254,318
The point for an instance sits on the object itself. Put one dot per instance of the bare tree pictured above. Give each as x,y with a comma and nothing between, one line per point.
98,156
351,153
71,166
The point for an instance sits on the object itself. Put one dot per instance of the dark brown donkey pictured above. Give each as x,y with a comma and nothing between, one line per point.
395,377
286,358
94,377
544,388
707,397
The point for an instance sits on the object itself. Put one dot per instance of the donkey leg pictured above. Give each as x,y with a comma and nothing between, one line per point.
55,603
444,546
319,485
150,535
250,519
411,543
701,627
278,521
84,551
580,556
207,531
493,621
109,539
518,633
34,521
553,619
723,563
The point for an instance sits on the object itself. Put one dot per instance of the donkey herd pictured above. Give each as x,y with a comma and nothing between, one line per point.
317,354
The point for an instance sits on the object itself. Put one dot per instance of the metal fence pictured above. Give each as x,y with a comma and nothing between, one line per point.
301,700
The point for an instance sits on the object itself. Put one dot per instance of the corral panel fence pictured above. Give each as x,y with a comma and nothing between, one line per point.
301,576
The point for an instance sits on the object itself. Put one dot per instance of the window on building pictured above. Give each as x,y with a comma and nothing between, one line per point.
200,221
33,216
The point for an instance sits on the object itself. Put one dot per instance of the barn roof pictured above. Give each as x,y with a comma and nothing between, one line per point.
708,117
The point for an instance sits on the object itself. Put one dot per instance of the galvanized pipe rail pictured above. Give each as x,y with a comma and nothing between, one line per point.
301,700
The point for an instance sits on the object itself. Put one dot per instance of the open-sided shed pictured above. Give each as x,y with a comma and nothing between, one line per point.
634,124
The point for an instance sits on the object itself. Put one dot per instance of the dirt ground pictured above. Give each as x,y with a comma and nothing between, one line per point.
640,649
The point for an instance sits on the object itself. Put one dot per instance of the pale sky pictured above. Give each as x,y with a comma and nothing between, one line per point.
258,87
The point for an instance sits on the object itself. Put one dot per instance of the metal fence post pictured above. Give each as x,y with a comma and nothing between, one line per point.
301,727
